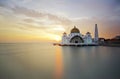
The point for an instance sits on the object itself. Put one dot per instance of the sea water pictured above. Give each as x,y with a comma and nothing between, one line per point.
45,61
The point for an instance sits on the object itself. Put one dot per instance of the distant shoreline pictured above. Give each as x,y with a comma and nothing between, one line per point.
111,45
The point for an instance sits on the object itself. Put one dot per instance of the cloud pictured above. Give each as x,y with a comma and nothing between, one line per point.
28,20
36,20
8,4
32,20
27,12
82,13
35,14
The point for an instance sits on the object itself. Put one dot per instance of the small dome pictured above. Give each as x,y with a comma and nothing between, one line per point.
64,33
75,30
88,33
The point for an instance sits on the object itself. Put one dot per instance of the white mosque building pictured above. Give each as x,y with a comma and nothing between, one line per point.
76,38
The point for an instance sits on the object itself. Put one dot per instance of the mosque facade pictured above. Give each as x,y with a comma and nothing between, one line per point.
77,38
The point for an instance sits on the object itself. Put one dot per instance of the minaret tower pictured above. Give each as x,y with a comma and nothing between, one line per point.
64,38
96,37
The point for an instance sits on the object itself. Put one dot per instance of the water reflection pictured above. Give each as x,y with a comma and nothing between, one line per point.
59,64
90,62
26,61
43,61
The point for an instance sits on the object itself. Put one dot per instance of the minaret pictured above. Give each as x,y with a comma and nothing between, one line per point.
64,38
96,37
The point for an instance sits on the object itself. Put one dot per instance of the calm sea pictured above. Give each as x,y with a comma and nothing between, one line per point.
45,61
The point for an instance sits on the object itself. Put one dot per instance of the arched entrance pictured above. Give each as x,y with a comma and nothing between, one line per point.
76,39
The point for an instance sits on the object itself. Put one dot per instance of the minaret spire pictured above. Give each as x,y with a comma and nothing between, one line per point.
96,37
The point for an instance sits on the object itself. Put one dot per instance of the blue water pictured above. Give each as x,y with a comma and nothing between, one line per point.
45,61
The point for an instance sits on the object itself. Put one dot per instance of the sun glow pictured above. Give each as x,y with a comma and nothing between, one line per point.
57,38
53,37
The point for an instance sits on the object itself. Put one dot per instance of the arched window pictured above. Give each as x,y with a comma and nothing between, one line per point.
76,39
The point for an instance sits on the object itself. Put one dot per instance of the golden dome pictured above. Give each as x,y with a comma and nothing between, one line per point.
88,33
75,30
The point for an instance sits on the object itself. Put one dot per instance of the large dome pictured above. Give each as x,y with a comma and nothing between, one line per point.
75,30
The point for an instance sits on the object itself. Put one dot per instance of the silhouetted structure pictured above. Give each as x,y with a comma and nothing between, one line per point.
112,42
96,34
77,38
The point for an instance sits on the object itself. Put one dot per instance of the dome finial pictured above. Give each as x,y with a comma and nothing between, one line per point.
74,26
75,30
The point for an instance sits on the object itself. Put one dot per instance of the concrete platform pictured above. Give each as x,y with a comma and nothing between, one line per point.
74,44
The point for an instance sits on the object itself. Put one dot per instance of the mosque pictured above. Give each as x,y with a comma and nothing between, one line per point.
77,38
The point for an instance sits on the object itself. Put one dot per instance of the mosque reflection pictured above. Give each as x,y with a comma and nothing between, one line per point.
74,62
70,62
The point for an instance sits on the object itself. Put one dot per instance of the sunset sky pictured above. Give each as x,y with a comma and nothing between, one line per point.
46,20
